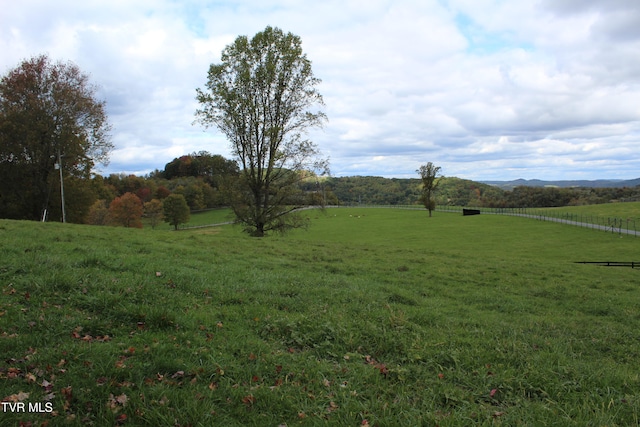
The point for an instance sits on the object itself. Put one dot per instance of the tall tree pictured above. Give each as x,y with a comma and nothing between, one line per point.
263,97
48,111
430,175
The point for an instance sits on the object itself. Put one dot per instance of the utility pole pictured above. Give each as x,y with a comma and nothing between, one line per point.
59,167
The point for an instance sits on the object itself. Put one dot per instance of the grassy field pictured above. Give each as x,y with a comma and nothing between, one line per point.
374,317
615,215
620,210
213,216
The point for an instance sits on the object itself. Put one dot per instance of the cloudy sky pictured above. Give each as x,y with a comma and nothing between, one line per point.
486,89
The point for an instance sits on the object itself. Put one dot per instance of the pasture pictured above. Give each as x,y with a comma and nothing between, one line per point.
377,317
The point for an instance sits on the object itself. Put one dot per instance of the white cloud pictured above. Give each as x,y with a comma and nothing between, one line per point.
488,89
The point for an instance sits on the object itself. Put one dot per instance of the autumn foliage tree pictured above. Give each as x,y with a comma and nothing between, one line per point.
98,213
126,211
48,111
153,210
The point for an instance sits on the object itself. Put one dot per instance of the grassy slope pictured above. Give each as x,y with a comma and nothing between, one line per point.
375,314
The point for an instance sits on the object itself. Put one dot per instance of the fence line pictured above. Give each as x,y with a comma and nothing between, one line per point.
615,225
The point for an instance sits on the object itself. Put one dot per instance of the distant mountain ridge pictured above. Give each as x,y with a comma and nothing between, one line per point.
598,183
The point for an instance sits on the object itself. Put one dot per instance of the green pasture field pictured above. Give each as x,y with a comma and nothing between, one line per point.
617,215
377,317
213,216
623,210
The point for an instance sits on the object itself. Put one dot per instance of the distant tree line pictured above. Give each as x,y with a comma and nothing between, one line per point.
188,183
201,179
371,190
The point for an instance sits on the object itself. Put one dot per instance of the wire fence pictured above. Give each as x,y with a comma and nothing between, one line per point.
610,224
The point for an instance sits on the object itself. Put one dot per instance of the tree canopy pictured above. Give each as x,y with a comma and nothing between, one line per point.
47,111
263,98
176,210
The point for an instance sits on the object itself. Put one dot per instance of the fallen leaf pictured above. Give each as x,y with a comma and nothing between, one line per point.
67,392
249,400
383,369
13,372
122,399
19,397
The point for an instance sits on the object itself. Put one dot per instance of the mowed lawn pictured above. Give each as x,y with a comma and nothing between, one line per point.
370,317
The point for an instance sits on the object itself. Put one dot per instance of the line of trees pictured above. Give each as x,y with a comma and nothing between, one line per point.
452,191
188,183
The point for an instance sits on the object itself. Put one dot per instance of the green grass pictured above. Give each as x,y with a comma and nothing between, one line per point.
616,215
620,210
213,216
372,314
